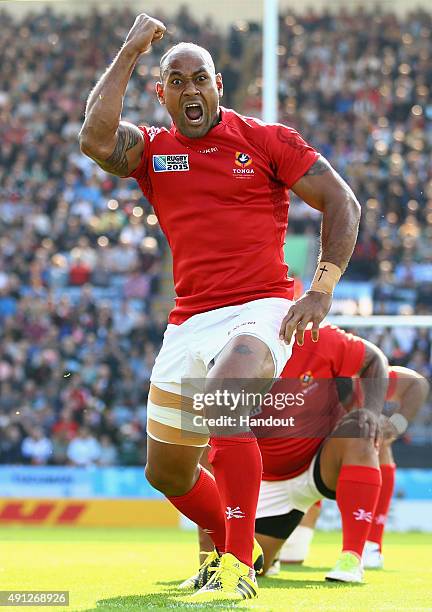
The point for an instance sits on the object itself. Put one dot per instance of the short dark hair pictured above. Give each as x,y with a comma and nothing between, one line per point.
185,46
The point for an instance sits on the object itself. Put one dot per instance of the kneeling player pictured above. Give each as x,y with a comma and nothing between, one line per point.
408,390
305,465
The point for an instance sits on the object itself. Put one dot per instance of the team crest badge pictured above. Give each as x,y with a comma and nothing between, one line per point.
243,159
306,378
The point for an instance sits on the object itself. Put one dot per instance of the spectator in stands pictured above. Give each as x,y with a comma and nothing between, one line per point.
108,452
84,449
37,448
10,445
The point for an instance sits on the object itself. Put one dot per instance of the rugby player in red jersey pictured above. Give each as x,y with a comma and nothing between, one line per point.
218,183
327,453
407,390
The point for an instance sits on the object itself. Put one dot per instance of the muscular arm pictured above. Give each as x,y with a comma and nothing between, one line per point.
410,393
374,377
323,189
115,146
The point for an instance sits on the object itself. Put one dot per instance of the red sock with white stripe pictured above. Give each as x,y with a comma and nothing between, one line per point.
357,493
388,472
237,467
202,505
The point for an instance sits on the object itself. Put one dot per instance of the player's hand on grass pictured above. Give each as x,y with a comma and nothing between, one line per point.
143,33
312,307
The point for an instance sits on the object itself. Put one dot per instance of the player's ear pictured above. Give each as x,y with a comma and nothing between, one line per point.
219,84
160,93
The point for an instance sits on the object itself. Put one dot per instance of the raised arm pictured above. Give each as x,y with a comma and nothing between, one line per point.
323,189
115,145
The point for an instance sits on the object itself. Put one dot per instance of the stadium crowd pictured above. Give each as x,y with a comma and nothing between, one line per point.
357,86
81,252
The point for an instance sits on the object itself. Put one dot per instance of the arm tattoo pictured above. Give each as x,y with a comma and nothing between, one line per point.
117,163
321,166
243,349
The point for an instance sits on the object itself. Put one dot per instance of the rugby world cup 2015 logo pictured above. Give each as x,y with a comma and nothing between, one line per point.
243,159
171,163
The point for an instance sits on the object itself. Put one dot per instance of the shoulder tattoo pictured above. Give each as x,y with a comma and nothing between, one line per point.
321,166
117,163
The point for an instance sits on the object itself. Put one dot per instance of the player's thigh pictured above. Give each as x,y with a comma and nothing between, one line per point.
244,340
244,357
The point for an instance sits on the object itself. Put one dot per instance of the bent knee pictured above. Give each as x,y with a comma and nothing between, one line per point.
171,482
361,450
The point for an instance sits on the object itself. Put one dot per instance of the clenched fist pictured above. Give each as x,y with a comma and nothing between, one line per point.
143,33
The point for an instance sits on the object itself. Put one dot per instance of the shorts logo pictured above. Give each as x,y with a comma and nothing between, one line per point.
242,159
171,163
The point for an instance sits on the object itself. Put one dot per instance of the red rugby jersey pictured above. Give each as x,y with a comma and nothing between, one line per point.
222,202
336,354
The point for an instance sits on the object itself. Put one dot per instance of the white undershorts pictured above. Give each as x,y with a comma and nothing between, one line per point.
278,497
188,349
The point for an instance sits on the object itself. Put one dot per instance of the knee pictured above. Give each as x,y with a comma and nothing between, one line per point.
362,449
268,368
171,482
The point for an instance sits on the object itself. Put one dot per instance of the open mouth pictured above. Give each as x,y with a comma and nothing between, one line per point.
194,112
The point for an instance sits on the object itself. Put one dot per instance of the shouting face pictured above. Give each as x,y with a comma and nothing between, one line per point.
190,89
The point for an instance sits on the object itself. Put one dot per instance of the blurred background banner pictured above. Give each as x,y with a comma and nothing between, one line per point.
85,272
93,496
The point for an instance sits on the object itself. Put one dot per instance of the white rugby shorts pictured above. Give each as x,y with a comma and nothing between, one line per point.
278,497
186,353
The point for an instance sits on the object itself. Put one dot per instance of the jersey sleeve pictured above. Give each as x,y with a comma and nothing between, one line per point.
346,351
392,382
291,156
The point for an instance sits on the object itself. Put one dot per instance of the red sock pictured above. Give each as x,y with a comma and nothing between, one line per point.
202,505
357,493
237,468
376,533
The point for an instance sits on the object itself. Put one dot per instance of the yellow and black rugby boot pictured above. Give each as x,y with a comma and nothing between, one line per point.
231,580
198,580
258,558
201,578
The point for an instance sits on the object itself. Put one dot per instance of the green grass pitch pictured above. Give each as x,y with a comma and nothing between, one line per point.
138,569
